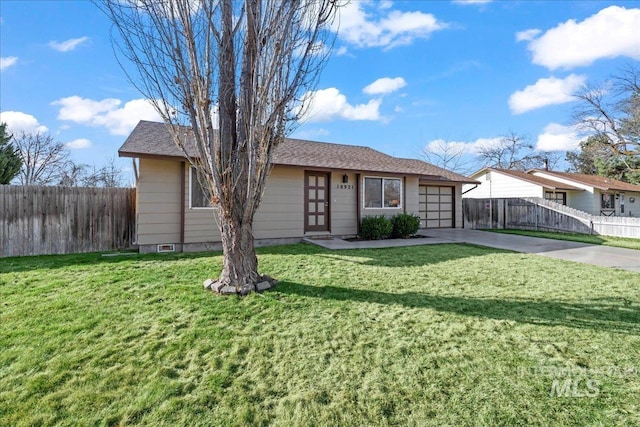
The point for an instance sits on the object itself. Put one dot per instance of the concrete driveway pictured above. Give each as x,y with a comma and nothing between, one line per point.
606,256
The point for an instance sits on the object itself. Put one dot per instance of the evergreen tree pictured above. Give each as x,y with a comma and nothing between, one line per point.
10,161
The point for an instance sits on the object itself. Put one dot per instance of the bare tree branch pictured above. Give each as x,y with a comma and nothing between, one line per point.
225,75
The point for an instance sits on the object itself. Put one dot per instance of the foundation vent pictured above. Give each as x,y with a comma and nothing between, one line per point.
167,247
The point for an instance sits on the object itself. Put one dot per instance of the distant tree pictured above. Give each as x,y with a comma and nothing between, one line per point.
516,152
44,160
81,175
612,113
448,156
596,157
10,161
110,175
73,175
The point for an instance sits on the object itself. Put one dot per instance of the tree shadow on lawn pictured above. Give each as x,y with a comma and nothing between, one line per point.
604,316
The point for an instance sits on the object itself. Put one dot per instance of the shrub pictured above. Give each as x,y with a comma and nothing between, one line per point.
375,227
405,225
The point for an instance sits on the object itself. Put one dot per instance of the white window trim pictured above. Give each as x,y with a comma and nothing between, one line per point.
382,199
191,172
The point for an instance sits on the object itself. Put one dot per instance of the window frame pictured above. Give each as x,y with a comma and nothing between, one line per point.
612,199
192,170
555,195
382,178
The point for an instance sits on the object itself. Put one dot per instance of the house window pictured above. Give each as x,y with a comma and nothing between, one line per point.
607,201
382,193
558,197
198,196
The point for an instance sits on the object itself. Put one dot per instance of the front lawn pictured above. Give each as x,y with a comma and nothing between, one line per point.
424,335
620,242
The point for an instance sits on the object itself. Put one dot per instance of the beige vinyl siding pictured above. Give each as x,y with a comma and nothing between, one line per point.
279,215
158,215
281,212
411,195
496,185
200,224
458,205
343,204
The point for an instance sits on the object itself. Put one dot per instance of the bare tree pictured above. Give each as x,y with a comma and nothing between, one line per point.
516,152
109,175
82,175
73,175
249,61
448,156
44,159
612,112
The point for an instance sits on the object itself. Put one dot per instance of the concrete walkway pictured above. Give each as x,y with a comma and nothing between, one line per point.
605,256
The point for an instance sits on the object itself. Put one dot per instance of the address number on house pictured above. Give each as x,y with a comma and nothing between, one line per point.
345,186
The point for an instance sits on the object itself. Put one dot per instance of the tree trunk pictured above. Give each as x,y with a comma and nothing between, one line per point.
240,263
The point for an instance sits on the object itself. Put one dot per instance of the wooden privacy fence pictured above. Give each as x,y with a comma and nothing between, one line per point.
36,220
534,213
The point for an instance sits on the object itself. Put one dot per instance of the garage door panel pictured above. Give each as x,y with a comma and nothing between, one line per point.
436,206
433,190
433,198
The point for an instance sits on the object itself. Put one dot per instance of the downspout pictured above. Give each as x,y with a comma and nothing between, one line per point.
183,195
462,194
357,203
472,188
404,194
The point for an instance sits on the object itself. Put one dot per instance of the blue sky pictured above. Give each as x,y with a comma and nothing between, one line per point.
404,74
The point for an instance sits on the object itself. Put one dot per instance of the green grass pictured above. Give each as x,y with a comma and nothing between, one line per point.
428,335
620,242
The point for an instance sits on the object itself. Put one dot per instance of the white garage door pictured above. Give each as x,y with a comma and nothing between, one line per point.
436,206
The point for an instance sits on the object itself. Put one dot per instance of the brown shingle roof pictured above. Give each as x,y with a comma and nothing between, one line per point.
151,139
599,182
546,183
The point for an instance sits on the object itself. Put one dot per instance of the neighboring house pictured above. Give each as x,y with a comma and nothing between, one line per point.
595,195
314,189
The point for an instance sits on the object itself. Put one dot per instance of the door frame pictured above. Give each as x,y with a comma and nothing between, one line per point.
326,228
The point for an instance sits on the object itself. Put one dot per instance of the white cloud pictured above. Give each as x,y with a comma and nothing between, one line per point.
77,144
610,33
527,35
68,45
467,147
373,24
311,134
384,86
21,122
8,61
106,113
329,104
342,50
545,92
556,137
